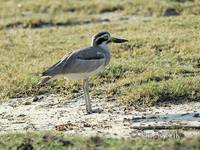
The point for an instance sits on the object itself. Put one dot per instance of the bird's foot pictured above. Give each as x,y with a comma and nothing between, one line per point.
97,110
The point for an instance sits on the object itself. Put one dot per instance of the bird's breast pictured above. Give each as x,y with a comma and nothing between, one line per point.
84,75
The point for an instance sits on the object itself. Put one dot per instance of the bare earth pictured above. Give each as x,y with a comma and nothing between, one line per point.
50,112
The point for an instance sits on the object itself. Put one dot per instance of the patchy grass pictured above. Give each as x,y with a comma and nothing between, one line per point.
159,64
141,7
60,141
23,13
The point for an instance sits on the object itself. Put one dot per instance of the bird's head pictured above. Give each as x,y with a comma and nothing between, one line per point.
105,38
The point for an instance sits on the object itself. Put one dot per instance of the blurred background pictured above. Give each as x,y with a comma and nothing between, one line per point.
23,13
158,63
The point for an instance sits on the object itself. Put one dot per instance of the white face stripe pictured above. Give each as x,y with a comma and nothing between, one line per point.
102,37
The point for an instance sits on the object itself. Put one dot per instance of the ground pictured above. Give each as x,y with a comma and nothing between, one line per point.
50,112
51,122
150,89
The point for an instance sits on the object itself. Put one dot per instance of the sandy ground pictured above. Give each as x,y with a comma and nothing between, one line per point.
51,112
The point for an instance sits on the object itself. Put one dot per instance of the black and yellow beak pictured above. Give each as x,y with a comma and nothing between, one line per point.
118,40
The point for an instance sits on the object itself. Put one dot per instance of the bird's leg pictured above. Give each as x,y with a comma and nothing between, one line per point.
86,96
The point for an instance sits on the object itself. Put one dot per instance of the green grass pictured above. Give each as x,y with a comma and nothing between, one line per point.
59,141
158,64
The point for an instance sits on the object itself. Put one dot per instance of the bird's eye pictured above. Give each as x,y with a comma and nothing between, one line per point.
106,37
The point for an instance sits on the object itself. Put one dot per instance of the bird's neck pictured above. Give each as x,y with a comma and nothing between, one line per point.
107,52
104,46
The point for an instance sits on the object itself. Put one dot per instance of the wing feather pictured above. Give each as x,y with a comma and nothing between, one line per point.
56,68
85,60
80,61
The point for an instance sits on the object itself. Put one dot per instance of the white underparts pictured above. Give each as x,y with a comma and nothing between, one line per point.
77,76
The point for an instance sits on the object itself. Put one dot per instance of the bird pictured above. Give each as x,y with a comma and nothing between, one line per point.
83,63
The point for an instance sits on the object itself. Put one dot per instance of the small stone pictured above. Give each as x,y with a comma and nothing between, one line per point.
196,115
27,103
171,12
184,114
35,99
86,125
127,120
66,143
21,115
153,117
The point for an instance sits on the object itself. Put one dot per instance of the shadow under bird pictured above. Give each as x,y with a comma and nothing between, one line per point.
84,63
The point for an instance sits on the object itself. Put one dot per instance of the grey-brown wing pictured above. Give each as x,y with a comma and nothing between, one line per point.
57,68
84,60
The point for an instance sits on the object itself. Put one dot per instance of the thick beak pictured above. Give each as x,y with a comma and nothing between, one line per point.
118,40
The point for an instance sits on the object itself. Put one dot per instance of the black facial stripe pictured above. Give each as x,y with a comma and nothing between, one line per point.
101,40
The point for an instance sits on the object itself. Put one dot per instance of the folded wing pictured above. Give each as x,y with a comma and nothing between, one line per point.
80,61
85,61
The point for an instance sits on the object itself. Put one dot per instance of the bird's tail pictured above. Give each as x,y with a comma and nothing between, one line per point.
44,80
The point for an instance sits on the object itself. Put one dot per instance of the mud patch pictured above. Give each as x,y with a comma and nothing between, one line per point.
52,112
42,23
105,17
